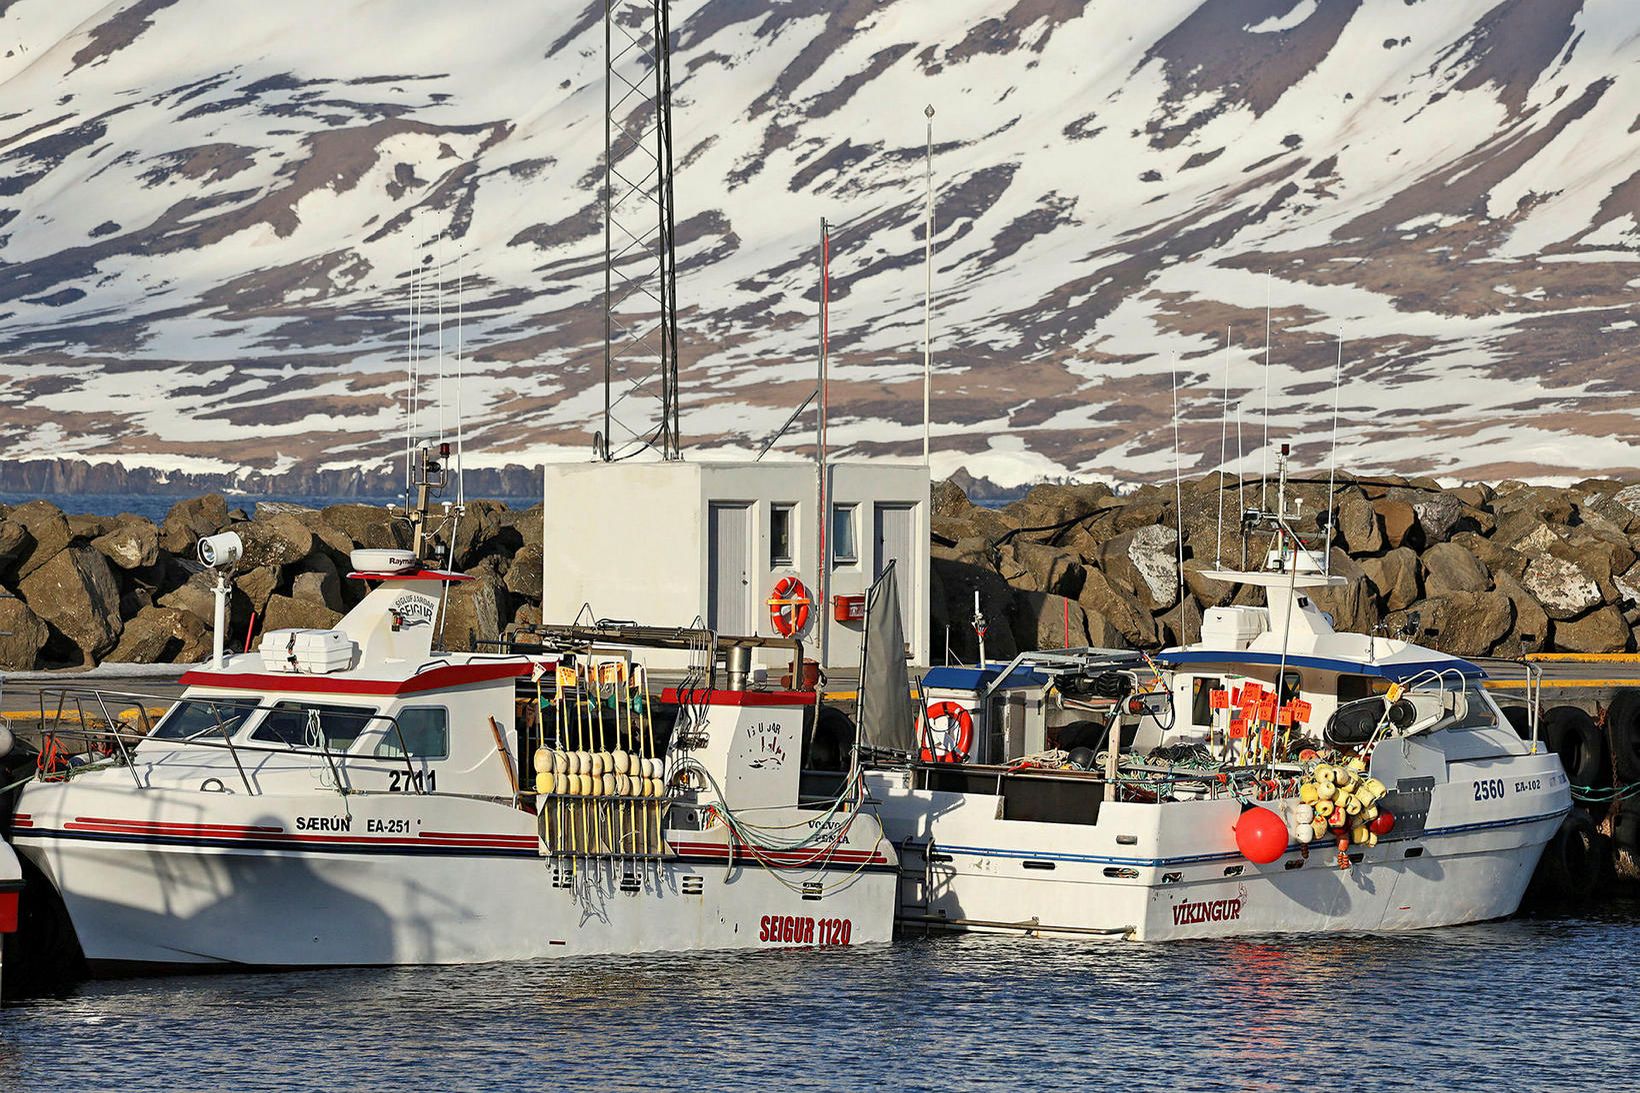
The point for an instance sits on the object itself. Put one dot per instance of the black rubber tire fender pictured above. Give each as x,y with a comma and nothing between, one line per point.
1521,719
1626,829
1623,730
1571,733
1570,870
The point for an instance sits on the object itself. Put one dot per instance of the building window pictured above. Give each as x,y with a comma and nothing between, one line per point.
781,518
844,546
425,731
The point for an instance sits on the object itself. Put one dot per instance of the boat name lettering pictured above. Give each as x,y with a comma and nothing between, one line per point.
324,823
798,930
414,607
1193,912
1489,789
765,744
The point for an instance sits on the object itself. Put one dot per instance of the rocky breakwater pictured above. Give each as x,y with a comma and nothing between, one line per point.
82,590
1472,570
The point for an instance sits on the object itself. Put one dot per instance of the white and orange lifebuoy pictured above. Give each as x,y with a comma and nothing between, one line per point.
950,743
789,607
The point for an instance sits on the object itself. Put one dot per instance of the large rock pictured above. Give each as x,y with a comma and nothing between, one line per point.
524,575
1602,631
287,612
1207,591
191,520
1145,561
368,526
1531,631
1039,568
472,613
1181,625
161,635
959,574
1495,557
1120,609
1450,568
1400,521
130,546
76,592
1042,620
1564,589
195,596
283,540
48,534
14,540
948,499
1358,524
22,635
257,584
319,582
480,532
1465,624
1353,605
1395,576
1050,505
1437,514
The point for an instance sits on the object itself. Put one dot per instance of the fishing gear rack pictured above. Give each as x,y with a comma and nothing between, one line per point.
600,790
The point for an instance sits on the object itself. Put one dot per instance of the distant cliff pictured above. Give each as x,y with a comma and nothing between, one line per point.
71,476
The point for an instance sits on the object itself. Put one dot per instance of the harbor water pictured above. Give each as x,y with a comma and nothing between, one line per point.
1534,1003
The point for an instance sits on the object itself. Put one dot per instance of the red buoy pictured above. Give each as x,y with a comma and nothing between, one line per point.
1261,835
1381,823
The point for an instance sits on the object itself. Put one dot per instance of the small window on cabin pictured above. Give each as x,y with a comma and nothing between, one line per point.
194,718
1292,686
844,546
1201,698
1353,687
423,732
311,725
781,519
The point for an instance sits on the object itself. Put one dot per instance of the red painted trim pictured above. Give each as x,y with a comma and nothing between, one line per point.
739,698
8,911
418,575
815,856
102,825
450,675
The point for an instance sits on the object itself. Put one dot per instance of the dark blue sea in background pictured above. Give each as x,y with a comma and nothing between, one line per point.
155,506
1528,1004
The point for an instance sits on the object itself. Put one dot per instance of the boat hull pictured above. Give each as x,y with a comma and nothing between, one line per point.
1167,872
279,883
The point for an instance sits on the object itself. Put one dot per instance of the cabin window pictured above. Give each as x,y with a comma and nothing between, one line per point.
1292,687
781,519
844,546
193,717
1201,698
425,731
311,725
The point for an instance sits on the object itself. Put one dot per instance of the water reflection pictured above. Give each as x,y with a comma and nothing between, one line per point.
1527,1004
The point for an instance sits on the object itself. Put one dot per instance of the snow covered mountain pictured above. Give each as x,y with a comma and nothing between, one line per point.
210,211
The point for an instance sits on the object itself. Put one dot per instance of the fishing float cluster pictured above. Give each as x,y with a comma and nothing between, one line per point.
1336,799
594,799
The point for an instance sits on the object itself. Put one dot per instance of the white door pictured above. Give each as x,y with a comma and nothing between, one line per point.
891,532
729,569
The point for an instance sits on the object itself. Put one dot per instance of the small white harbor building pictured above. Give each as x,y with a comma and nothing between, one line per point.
664,543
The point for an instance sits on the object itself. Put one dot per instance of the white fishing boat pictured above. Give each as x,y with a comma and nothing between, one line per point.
354,796
1274,776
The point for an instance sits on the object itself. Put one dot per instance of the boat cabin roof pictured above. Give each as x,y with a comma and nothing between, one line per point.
1393,667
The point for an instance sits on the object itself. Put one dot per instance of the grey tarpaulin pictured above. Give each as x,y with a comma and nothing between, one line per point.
885,687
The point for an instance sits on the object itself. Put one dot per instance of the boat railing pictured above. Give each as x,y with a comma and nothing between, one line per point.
88,717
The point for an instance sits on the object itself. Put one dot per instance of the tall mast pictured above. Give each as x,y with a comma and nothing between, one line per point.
640,255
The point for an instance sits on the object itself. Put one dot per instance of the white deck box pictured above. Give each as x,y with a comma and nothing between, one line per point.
312,651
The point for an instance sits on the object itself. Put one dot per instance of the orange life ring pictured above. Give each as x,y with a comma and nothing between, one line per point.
951,744
789,607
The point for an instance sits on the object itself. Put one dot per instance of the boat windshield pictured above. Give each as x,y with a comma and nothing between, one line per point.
311,725
196,717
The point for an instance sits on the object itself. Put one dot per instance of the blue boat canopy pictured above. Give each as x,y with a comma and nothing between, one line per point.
1386,669
978,679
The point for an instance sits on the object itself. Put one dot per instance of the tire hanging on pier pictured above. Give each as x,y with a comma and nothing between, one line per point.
1572,734
1623,726
1570,870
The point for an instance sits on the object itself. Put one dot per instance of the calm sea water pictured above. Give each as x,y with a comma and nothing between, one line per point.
1529,1004
155,506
